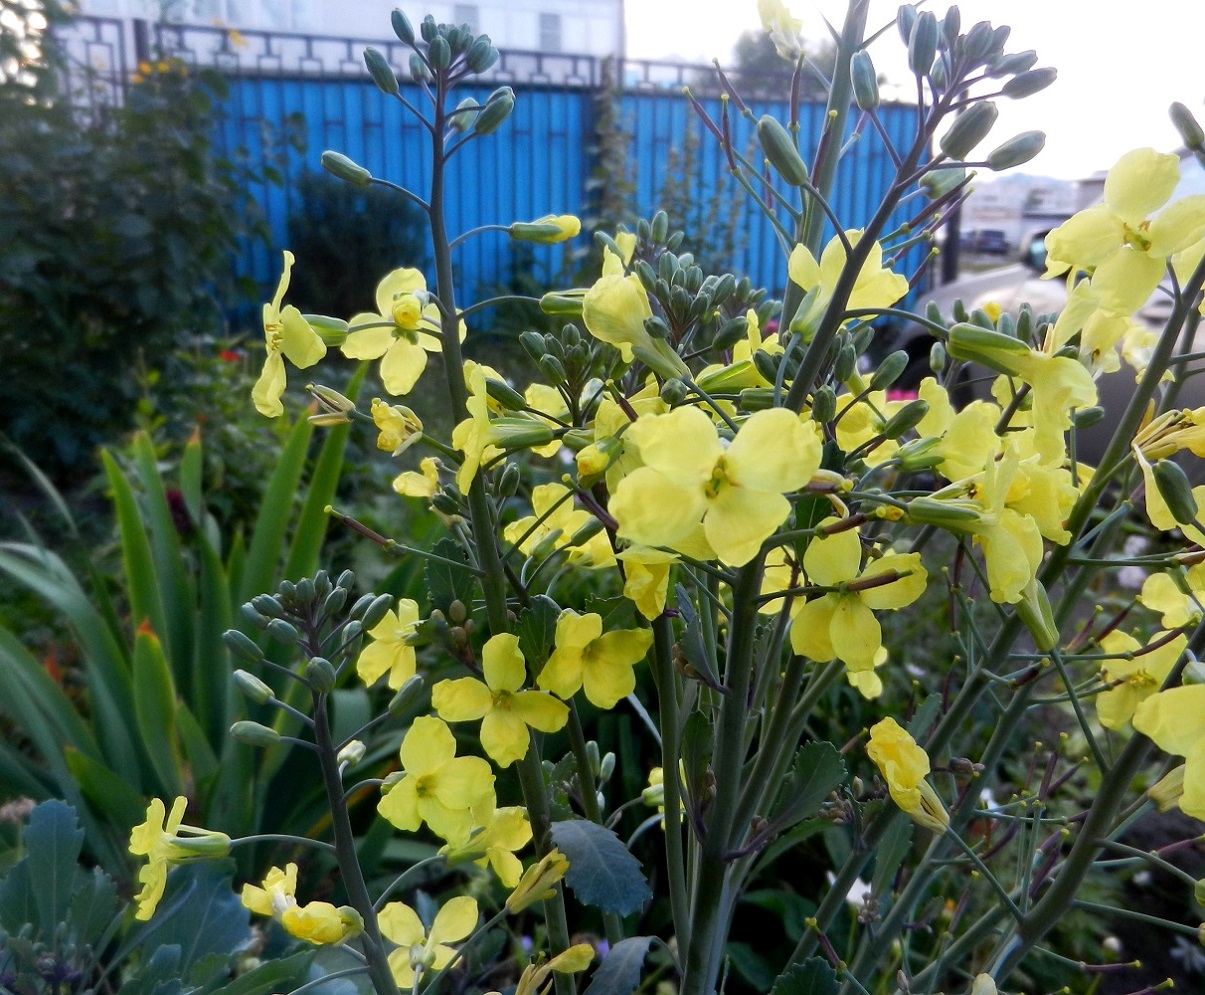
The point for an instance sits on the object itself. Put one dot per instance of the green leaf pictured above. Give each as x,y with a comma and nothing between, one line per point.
815,773
924,717
53,841
750,965
446,583
281,975
602,872
697,745
619,974
160,975
155,709
109,794
94,903
17,905
692,644
537,631
813,977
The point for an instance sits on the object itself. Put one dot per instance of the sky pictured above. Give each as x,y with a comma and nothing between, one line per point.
1118,72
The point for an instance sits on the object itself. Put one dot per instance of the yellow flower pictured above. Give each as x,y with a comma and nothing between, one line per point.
286,333
1141,674
904,767
482,437
504,709
614,310
439,788
782,27
548,230
423,484
399,427
689,477
841,624
405,329
321,923
159,839
585,656
276,895
535,980
876,287
419,951
389,652
538,881
646,578
508,830
1118,242
1172,719
554,511
1160,593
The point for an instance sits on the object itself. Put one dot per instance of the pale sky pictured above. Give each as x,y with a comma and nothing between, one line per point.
1117,72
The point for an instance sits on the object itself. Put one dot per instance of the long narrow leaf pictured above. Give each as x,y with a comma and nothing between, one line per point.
155,709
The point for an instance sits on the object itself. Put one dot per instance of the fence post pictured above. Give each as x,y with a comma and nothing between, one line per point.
142,40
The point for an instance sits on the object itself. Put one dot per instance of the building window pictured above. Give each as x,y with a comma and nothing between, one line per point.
550,32
466,13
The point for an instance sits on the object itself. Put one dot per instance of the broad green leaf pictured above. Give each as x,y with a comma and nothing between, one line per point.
813,977
160,975
155,710
815,773
602,872
619,974
278,975
53,841
537,630
446,583
94,903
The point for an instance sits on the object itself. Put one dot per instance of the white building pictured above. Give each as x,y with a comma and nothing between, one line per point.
579,27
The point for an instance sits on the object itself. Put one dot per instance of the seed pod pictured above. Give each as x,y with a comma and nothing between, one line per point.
339,165
889,370
1174,488
865,81
381,72
1029,83
968,130
1017,150
402,27
780,150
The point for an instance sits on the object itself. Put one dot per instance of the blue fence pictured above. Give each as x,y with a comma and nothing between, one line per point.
539,162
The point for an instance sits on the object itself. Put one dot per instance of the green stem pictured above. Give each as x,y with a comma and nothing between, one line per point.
671,731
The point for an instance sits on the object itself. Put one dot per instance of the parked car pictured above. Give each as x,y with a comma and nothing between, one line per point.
988,241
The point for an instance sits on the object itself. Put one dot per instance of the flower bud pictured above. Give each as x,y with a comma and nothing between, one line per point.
376,610
1167,792
320,673
779,149
552,369
462,118
947,514
846,363
1028,83
922,43
824,404
865,81
593,461
402,27
242,646
339,165
254,734
674,391
939,182
968,130
548,230
439,53
505,394
282,630
730,333
418,69
252,687
407,697
255,618
1176,490
381,72
1034,610
497,109
508,483
1017,150
352,753
481,56
889,370
906,419
920,454
1186,124
562,305
981,345
334,601
332,331
1010,65
1087,417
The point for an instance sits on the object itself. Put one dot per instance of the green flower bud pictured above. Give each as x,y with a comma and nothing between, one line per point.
889,370
767,365
407,698
376,610
1034,610
381,72
254,734
981,345
532,343
951,26
1186,124
905,18
255,618
938,182
508,483
919,454
242,646
757,398
562,305
730,333
358,609
1175,489
978,42
865,80
352,753
482,55
439,53
462,118
552,369
429,29
338,165
1010,65
497,110
1087,417
519,433
321,674
418,69
505,394
252,687
402,27
674,391
278,628
577,439
779,149
938,357
1027,84
346,580
1017,150
305,591
906,419
922,43
824,404
933,511
968,130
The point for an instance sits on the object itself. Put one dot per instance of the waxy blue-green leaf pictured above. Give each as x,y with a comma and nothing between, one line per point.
619,973
602,871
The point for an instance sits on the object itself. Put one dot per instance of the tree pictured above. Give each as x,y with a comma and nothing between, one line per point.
759,71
